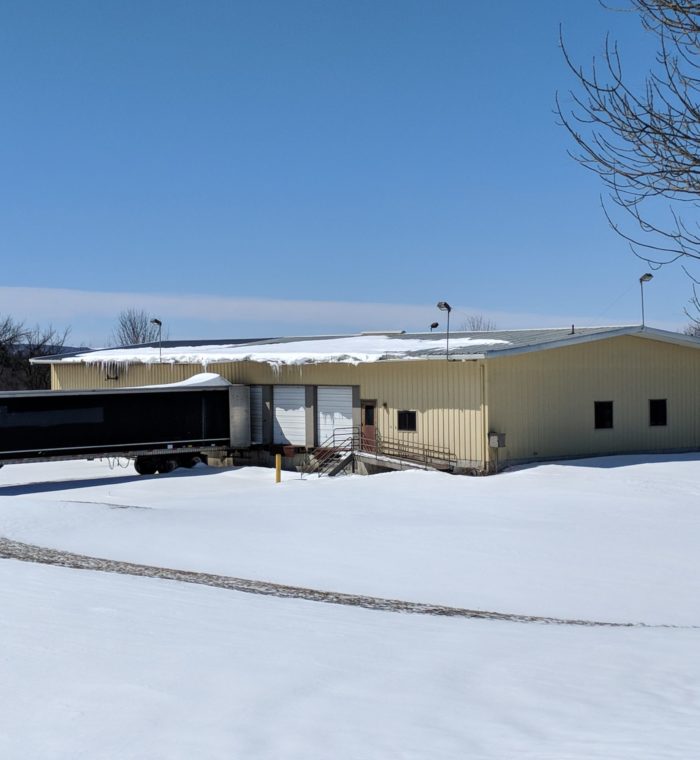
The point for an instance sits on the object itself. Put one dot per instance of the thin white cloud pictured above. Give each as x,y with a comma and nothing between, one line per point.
91,314
65,304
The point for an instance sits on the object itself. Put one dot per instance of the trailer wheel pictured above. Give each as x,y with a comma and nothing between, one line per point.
166,465
145,465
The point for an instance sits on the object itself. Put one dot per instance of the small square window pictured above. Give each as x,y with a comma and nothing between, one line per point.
657,412
603,411
407,421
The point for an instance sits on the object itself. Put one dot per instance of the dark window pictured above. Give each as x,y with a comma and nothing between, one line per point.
603,414
407,421
369,414
657,411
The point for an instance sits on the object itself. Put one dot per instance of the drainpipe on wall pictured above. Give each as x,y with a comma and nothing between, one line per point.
484,420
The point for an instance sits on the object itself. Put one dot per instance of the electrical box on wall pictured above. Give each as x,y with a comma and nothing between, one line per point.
497,440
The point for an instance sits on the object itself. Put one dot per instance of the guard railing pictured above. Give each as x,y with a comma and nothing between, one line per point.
340,448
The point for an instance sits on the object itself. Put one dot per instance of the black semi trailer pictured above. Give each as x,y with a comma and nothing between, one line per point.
160,427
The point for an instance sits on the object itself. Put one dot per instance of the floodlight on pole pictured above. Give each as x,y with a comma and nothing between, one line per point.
434,325
159,325
644,278
444,306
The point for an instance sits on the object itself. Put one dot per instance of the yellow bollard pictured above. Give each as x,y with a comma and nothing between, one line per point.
278,468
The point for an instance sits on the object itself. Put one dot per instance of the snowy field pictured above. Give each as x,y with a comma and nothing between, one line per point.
95,665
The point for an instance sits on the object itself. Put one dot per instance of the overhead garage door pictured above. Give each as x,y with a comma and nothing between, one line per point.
256,414
290,414
334,403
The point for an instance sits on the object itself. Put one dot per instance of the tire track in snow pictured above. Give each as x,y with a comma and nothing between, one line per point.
18,550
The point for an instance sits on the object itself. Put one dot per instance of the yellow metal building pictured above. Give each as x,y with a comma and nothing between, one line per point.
485,401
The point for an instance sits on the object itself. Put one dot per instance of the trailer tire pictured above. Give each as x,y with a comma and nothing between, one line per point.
145,465
166,465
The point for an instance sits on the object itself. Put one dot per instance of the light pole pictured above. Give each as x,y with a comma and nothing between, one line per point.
159,324
644,278
434,325
444,306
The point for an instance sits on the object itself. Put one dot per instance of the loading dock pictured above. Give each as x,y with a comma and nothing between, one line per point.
289,418
334,410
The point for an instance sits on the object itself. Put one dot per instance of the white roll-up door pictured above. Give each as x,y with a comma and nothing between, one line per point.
290,414
334,404
256,414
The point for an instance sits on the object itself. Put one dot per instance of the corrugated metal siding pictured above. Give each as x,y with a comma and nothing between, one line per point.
445,395
79,376
289,419
334,410
256,414
543,401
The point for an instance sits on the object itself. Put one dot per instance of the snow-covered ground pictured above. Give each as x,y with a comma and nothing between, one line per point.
97,665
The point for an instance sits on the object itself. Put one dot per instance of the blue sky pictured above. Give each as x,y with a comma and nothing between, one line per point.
266,168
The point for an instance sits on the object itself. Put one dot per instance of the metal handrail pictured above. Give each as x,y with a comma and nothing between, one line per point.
409,451
343,440
350,440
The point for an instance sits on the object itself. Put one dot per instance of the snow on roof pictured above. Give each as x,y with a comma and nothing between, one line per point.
354,349
363,348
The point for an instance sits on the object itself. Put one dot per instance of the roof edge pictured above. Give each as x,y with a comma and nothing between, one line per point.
642,331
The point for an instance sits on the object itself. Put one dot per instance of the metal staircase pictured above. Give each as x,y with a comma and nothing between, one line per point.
334,454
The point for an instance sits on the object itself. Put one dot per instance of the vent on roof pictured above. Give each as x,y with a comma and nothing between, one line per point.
384,332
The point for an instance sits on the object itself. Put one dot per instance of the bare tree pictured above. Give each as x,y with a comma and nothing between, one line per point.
11,332
11,335
478,323
18,345
134,326
644,141
39,341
